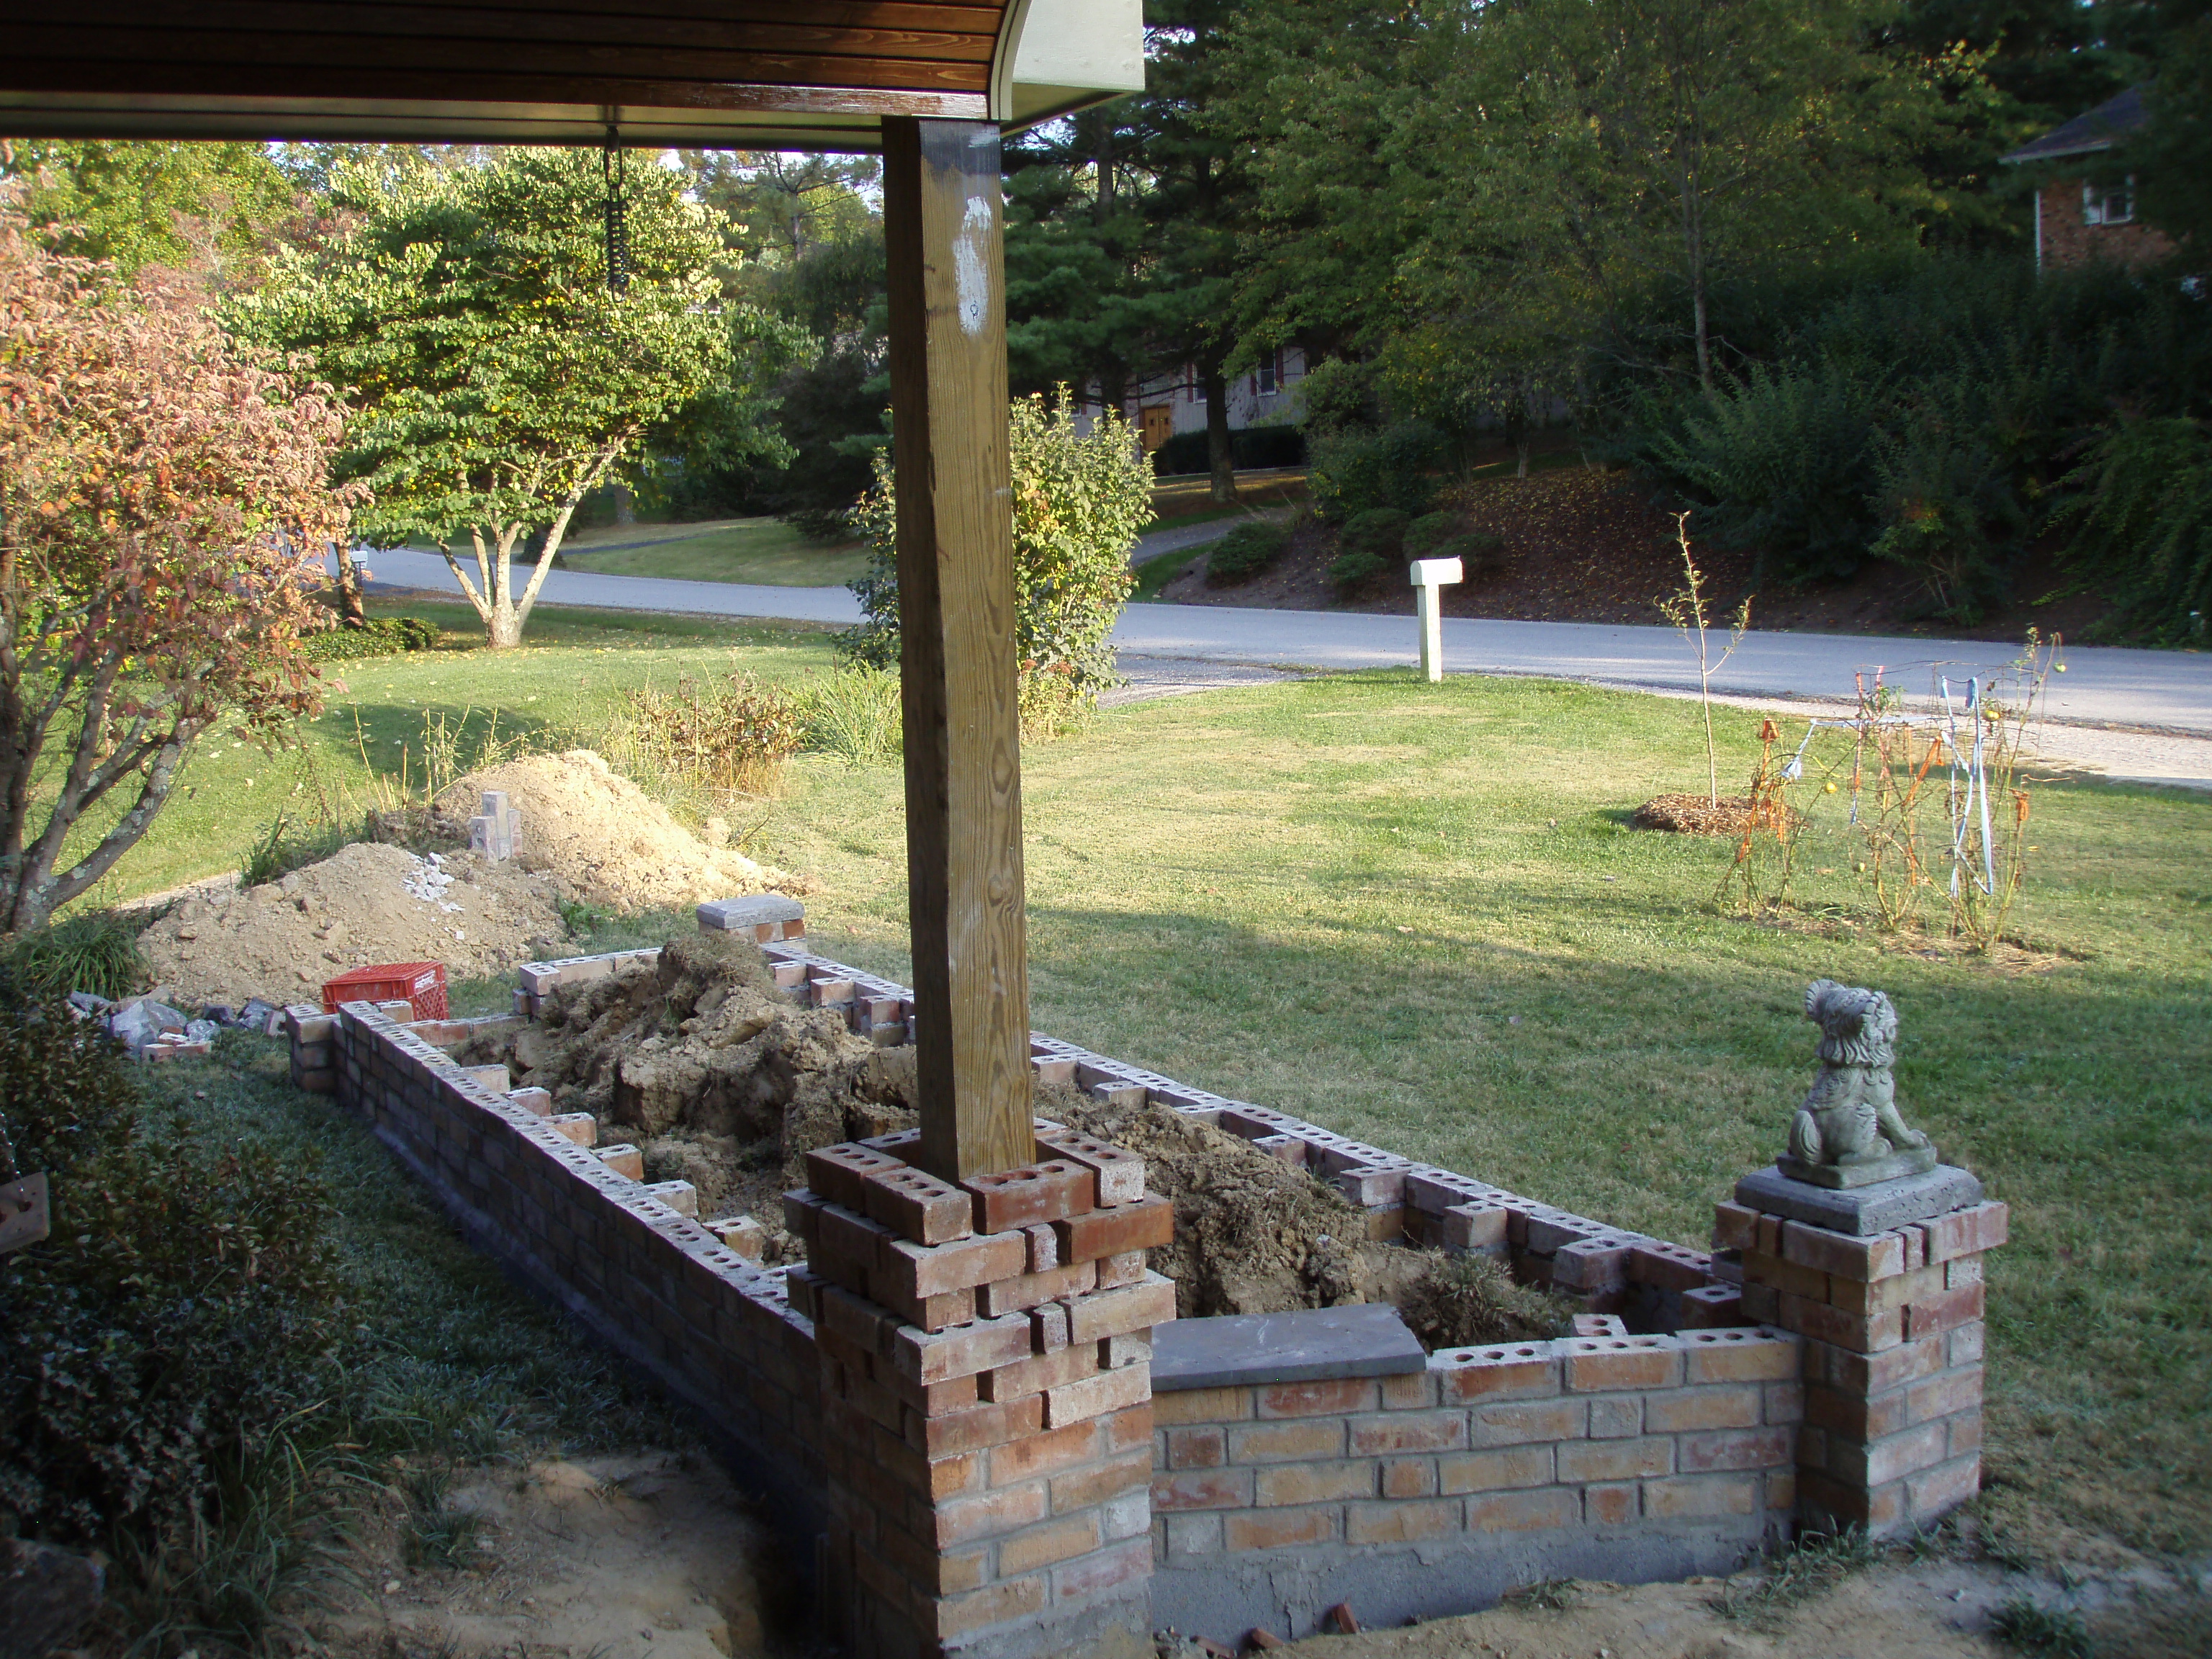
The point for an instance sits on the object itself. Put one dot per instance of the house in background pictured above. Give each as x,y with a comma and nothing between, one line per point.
2078,220
1166,406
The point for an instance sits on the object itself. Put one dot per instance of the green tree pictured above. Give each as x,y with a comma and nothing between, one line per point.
2173,159
206,207
497,372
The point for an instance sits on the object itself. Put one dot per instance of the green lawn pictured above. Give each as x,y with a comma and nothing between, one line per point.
1414,913
766,551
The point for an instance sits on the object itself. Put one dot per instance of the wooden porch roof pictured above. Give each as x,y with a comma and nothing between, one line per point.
753,73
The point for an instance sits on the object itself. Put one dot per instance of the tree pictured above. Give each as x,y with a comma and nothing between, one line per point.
1079,502
213,207
501,371
2173,155
163,509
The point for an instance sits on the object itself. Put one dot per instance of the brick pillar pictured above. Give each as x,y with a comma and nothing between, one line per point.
986,1397
1892,1357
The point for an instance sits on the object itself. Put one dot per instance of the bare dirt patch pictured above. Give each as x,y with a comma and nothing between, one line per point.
1696,815
615,845
368,902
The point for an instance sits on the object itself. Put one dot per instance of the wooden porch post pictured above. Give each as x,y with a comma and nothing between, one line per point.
942,233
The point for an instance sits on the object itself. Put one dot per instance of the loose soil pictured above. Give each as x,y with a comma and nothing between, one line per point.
368,902
722,1080
1583,545
614,845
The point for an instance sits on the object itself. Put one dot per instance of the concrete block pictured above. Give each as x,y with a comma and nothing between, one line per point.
1308,1346
1859,1211
741,916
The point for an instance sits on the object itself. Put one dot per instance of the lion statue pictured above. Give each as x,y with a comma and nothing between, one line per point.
1848,1121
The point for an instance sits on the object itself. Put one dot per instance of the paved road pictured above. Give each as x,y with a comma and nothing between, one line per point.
2163,689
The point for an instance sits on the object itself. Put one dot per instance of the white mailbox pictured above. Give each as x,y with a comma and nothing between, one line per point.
1431,576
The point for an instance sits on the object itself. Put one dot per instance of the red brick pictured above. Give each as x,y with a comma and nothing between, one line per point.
1197,1449
1860,1332
1232,1404
1292,1441
1409,1477
1282,1485
1946,1310
1047,1191
1735,1227
1132,1426
1937,1491
915,1204
1403,1524
1945,1393
837,1174
1515,1371
1103,1570
1040,1547
1712,1306
1044,1247
1044,1452
1523,1422
847,1233
1823,1497
1477,1226
1760,1268
1734,1449
1961,1271
977,1428
1149,1301
1524,1511
1877,1373
935,1399
1876,1464
1117,1175
1883,1294
1967,1232
1095,1396
930,1313
1668,1267
1101,1483
1687,1495
1341,1396
1039,1372
982,1346
1255,1530
1405,1431
1409,1391
1674,1411
1966,1432
1033,1290
1114,1271
1610,1506
1613,1460
994,1604
1597,1364
1201,1489
1144,1225
1855,1415
964,1520
1861,1259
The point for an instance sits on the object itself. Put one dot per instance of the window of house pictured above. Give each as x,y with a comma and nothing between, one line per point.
1270,375
2109,204
1194,389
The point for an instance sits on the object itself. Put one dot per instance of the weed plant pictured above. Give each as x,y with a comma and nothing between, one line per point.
1811,1565
94,950
854,713
2024,1624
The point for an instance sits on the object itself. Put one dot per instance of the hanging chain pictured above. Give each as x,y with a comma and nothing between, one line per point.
9,1172
611,167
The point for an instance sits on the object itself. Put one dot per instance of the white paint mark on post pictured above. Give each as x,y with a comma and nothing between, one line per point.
1432,577
971,278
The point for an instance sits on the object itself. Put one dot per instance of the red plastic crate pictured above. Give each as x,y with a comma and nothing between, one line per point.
421,983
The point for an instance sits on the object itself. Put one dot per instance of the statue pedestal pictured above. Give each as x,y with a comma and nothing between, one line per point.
1885,1284
1892,1166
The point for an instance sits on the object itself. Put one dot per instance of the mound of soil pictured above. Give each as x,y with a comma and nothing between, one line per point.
615,847
1695,814
366,903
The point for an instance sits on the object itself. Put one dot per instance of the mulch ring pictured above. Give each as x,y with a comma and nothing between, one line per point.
1696,815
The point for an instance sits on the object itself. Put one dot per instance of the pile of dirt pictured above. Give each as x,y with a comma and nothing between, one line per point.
719,1078
366,903
1696,815
616,848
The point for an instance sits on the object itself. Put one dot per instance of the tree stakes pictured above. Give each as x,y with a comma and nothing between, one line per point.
1431,577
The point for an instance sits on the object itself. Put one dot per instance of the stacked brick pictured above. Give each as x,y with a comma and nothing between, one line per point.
1893,1324
985,1392
1692,1432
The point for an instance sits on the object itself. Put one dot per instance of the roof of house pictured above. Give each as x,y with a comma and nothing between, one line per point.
760,74
2101,129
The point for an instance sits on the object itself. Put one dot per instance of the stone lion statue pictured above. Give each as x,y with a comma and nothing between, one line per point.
1848,1131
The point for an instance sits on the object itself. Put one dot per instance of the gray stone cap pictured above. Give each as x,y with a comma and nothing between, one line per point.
1314,1344
1860,1211
725,915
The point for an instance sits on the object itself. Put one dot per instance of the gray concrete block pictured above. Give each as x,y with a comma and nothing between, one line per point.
1861,1210
731,915
1317,1345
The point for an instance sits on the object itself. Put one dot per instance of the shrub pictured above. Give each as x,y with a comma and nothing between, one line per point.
1380,530
1244,552
1359,469
1250,450
2142,503
717,735
1350,571
1425,534
94,950
380,636
1080,500
855,713
182,1313
1480,553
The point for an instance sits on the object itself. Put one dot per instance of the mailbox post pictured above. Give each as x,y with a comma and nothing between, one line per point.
1432,577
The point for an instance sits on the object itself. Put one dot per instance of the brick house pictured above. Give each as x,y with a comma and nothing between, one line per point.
2078,220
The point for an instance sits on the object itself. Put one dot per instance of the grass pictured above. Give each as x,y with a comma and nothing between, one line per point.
762,551
1187,497
1156,573
1416,915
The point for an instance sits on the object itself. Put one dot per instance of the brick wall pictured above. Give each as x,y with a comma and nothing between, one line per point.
2069,241
1622,1458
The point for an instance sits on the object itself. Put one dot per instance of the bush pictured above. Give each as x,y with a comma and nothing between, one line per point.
94,950
1359,469
1254,448
1079,502
1353,571
1380,530
728,735
1425,534
1480,554
380,636
182,1313
1244,552
855,713
2142,505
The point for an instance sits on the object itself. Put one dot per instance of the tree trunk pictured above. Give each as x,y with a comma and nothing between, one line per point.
351,613
503,628
625,505
1220,461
